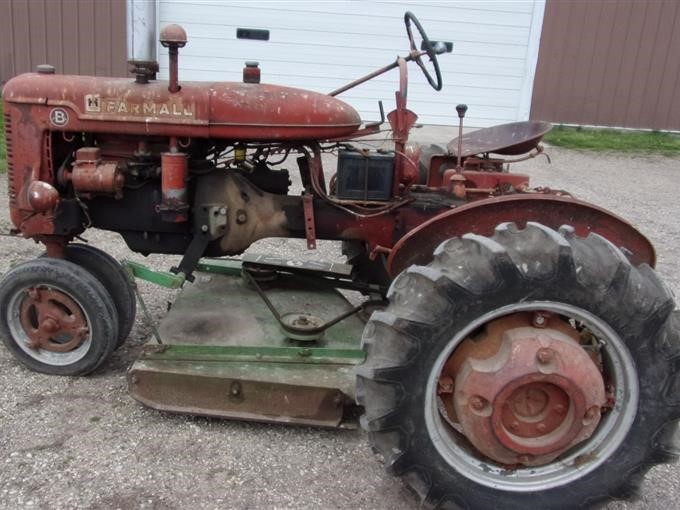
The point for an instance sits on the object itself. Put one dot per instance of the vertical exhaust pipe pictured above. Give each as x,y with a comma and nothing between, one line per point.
141,39
173,37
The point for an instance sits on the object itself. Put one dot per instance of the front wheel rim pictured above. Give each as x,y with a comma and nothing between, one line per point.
577,462
25,338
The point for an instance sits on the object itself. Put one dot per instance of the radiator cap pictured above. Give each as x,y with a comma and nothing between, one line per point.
45,69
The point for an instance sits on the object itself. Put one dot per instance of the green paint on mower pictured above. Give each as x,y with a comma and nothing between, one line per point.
225,353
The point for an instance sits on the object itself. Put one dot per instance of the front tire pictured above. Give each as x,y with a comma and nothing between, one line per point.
542,315
56,318
115,280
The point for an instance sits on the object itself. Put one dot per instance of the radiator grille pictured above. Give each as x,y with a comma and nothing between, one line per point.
11,178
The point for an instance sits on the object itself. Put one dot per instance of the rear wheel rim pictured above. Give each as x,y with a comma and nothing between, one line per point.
574,464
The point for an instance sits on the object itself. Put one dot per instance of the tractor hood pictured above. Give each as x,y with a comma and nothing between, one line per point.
224,109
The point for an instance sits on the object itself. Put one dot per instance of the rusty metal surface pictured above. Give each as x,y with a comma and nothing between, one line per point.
52,320
251,72
173,34
475,169
173,37
242,111
507,139
248,219
493,180
42,196
525,394
99,177
481,217
310,229
174,172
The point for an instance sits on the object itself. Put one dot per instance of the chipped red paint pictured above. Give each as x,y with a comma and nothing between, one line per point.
482,216
429,205
243,111
38,104
52,320
522,394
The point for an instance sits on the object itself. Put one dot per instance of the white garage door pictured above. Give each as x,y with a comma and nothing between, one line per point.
323,45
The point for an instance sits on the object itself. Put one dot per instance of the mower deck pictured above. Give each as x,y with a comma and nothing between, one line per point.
224,353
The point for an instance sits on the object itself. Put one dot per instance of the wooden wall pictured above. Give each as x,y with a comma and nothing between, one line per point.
609,63
75,36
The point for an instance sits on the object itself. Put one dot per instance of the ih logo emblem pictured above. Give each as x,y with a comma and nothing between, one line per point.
59,117
93,103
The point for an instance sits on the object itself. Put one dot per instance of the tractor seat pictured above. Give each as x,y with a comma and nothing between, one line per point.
506,139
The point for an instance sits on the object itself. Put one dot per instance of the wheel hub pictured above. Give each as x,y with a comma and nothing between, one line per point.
52,320
524,395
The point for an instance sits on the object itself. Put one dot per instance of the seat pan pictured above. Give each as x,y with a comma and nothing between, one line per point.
505,139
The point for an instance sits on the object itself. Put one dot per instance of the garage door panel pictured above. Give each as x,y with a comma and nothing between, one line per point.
498,13
288,16
471,70
448,30
327,78
324,45
309,47
475,5
480,27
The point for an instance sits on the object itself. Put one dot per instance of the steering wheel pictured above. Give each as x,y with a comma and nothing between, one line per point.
429,49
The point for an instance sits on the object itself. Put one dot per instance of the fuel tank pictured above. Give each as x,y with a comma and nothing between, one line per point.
239,111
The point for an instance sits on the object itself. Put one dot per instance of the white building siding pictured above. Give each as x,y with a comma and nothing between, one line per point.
323,45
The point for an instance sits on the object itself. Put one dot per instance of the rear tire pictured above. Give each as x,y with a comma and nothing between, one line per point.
474,280
56,318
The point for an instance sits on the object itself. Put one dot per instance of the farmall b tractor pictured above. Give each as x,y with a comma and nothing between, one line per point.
515,347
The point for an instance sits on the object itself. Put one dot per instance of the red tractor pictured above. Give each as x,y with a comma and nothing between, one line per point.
515,347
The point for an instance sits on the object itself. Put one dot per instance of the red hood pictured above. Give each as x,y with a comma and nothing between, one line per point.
273,111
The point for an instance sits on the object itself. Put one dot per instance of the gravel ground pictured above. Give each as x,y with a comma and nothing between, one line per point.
84,443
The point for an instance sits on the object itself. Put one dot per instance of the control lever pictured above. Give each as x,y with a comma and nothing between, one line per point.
382,117
461,109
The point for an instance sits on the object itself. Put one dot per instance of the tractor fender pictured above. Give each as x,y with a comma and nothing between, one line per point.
482,216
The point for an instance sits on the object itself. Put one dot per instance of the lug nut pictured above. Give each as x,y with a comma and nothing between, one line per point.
539,320
524,459
559,409
541,427
444,385
514,426
478,403
241,217
545,355
592,412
